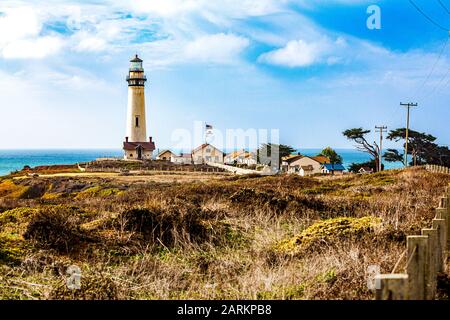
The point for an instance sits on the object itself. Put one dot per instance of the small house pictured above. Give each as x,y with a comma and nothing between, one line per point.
249,158
306,170
287,160
165,155
207,153
335,169
183,158
296,164
365,170
233,157
241,157
138,150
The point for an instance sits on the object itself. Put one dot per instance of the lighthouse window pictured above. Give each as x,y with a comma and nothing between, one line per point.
137,122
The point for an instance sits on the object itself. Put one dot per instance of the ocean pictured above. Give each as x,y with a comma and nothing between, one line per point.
11,160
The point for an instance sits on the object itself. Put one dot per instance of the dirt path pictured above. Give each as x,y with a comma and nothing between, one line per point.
156,176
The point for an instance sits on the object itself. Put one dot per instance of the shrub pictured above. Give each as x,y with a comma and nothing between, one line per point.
327,230
98,191
9,189
16,215
10,250
172,224
252,196
93,287
57,228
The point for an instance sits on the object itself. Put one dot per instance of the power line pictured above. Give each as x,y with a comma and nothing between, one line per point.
428,17
435,64
439,83
443,6
445,85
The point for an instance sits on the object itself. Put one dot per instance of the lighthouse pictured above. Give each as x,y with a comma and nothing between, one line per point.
136,146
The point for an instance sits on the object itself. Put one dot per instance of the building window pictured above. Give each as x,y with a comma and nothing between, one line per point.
131,155
136,121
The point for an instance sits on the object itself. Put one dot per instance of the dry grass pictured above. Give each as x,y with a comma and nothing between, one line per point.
210,239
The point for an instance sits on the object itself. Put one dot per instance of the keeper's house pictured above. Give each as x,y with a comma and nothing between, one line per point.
305,166
165,155
207,153
138,150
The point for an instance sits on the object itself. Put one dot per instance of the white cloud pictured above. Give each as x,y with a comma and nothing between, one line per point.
230,8
296,53
19,35
18,23
91,44
216,48
32,48
163,7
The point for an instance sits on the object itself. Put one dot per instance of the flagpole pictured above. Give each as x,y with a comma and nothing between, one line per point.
204,132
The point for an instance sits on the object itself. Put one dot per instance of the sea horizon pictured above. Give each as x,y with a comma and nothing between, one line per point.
15,159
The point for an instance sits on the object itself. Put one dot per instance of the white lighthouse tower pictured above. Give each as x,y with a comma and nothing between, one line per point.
136,145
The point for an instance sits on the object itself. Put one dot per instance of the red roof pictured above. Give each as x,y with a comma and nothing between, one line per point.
200,147
150,146
321,159
204,145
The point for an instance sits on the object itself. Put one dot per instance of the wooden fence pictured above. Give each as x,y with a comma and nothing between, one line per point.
437,169
426,256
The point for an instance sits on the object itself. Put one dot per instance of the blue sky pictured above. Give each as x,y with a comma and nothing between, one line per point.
308,68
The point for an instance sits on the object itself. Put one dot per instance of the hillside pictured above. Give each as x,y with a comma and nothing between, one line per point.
209,237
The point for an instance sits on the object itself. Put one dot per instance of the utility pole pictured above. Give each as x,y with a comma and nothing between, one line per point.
381,129
408,106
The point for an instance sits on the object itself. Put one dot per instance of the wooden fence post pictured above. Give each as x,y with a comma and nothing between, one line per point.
442,213
445,213
417,247
431,265
439,225
443,202
392,287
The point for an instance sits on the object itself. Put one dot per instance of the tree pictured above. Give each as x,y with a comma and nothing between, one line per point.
331,154
268,153
421,147
392,155
354,167
358,135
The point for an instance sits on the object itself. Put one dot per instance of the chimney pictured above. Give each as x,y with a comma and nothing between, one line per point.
150,139
126,139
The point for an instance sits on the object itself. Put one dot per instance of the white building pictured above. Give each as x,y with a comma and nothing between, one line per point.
165,155
240,157
207,153
335,169
305,166
184,158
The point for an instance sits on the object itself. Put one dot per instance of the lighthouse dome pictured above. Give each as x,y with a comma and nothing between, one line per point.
136,64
